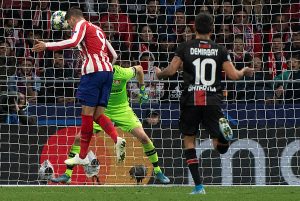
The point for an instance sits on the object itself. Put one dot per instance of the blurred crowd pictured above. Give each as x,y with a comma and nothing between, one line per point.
263,34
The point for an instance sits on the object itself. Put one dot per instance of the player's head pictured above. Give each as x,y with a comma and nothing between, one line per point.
204,24
73,15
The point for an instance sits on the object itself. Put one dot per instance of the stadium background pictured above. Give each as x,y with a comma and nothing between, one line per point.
265,120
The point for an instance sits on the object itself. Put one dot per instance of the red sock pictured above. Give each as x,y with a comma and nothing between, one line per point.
108,127
86,134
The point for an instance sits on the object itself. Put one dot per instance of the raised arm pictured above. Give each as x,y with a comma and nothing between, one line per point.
139,75
77,37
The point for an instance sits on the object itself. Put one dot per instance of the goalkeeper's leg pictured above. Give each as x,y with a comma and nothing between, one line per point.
120,144
66,177
75,149
151,153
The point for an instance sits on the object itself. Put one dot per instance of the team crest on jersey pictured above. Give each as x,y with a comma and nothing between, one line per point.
117,82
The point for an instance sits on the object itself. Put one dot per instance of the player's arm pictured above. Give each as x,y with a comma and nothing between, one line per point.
139,74
77,37
235,74
112,51
230,69
170,70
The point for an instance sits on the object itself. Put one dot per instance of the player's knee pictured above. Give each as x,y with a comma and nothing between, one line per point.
144,139
222,149
221,146
141,135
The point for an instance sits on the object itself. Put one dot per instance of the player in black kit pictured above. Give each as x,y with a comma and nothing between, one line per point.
203,61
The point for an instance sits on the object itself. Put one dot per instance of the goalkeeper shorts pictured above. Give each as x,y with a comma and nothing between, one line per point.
125,119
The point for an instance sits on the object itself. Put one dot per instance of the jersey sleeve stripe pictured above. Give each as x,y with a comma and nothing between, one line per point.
77,37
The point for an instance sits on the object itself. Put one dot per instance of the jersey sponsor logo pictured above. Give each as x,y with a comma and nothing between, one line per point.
204,52
202,88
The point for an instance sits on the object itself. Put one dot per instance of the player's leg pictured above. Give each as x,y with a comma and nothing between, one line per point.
149,150
75,149
85,138
120,145
66,177
105,123
218,128
101,119
221,145
88,93
189,126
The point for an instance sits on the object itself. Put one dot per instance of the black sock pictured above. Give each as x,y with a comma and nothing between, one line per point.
193,164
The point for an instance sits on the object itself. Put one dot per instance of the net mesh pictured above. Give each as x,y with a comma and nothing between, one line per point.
40,115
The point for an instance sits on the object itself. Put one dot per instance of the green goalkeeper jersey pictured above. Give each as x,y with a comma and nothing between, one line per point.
118,97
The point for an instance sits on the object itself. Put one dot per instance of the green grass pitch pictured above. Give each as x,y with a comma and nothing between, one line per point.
141,193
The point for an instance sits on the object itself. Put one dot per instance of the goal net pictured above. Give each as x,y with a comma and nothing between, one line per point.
40,115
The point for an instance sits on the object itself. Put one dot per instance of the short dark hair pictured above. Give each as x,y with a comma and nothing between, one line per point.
277,35
73,11
204,23
228,1
148,1
61,52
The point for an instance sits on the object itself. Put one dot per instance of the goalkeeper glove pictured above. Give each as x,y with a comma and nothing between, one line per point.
143,97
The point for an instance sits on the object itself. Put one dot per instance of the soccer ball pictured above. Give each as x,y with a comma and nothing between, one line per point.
58,21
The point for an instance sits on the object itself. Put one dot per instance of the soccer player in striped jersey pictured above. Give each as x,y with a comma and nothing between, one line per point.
96,80
119,111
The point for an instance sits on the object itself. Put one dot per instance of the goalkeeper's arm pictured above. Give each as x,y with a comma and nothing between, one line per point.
139,72
143,96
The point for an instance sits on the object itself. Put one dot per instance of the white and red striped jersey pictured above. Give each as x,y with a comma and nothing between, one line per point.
92,43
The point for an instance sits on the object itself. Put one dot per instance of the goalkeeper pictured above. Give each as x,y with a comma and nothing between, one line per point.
119,111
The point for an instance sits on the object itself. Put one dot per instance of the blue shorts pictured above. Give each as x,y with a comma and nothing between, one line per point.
94,88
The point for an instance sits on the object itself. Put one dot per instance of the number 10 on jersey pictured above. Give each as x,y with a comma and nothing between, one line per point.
200,71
